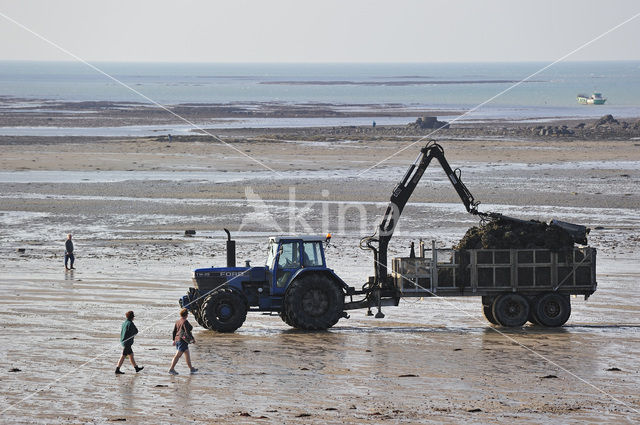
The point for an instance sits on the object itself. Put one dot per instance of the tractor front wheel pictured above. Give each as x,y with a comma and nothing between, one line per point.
224,311
197,314
313,302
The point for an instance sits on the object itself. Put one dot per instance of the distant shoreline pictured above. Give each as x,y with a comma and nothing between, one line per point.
52,118
393,83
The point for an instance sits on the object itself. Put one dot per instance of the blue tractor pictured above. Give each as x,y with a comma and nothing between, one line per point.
295,282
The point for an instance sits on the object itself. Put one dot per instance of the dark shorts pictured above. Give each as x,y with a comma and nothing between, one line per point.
182,345
127,350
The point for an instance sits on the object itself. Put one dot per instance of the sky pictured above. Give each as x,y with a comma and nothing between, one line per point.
319,31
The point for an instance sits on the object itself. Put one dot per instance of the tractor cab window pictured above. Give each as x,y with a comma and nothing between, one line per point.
312,254
271,254
289,255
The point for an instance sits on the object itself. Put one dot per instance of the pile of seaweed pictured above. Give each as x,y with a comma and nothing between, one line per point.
516,234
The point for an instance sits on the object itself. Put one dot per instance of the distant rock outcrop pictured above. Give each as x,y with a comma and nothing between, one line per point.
606,120
429,123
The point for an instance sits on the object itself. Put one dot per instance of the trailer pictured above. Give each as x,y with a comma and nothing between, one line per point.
516,285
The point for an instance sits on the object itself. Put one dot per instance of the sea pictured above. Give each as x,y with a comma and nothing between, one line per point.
486,91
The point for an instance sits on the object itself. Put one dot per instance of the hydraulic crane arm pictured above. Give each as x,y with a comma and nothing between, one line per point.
400,196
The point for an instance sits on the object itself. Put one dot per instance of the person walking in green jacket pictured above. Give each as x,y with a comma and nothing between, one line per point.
127,333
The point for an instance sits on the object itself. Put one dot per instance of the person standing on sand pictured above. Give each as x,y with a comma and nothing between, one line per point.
68,253
127,333
181,339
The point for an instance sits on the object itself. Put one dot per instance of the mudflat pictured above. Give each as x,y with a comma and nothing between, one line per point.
129,201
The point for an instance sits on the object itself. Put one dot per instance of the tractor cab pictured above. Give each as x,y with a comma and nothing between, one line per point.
287,256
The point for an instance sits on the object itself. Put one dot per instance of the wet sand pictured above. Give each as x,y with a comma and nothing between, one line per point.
428,361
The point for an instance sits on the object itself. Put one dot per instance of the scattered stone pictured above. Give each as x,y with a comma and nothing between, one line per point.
245,414
21,250
555,131
549,377
15,369
614,369
330,408
161,386
408,375
303,415
304,368
599,228
474,410
457,349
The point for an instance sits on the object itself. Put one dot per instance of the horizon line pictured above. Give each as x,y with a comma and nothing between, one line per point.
318,62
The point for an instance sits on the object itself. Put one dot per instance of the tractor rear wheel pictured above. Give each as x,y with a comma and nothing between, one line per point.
511,310
552,309
314,302
224,311
286,319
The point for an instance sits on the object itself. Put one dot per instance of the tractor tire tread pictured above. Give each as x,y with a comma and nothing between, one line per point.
237,303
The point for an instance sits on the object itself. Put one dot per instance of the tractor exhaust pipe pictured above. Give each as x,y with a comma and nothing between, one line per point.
231,250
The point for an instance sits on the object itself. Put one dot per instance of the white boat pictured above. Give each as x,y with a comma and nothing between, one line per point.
594,99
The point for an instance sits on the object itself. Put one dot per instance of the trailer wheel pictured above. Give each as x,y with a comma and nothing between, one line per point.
511,310
488,314
532,311
552,309
224,311
487,304
313,302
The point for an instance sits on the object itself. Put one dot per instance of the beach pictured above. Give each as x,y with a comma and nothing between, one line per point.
128,201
